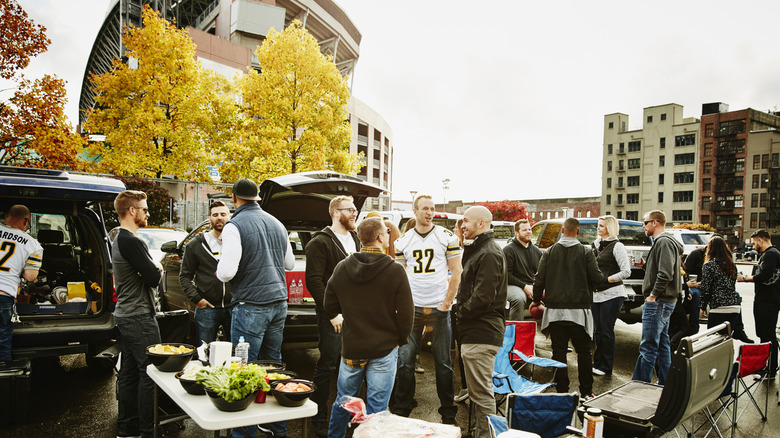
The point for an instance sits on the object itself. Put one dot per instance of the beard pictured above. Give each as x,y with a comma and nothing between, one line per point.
347,223
218,226
141,221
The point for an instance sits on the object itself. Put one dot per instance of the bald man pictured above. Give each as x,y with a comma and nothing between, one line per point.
480,316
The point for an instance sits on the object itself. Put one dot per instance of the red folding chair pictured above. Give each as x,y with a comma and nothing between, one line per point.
524,350
753,360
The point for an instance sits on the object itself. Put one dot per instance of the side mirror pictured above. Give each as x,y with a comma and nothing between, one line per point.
170,247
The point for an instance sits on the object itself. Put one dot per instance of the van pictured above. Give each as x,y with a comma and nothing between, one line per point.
68,308
503,232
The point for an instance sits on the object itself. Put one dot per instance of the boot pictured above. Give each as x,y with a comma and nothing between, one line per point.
742,336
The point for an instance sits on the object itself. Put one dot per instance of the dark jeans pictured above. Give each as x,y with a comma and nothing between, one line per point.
693,315
6,326
330,355
560,334
440,343
765,315
135,389
604,316
735,319
209,319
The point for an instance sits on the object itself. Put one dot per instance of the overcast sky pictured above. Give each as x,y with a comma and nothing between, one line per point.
507,98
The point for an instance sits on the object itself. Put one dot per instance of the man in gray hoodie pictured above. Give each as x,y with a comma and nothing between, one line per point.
661,287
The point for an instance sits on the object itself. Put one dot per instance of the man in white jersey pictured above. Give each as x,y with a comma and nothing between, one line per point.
429,252
20,257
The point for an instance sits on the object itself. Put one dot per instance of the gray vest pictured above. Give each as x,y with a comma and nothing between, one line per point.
260,277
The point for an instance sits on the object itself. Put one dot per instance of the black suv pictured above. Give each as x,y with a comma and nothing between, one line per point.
68,308
300,201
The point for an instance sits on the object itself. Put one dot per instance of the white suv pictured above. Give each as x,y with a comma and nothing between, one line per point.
690,239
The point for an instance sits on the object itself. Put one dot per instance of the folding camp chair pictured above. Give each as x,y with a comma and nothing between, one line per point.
523,351
753,359
547,415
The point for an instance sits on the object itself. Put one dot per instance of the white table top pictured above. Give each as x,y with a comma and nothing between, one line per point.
208,417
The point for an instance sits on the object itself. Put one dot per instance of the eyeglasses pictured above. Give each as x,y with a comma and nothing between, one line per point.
647,222
350,210
146,210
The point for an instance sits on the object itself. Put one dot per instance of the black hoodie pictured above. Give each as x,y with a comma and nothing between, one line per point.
372,293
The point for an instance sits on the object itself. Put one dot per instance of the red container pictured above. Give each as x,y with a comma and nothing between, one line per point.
260,398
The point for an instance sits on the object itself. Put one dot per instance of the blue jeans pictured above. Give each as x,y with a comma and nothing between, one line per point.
262,328
693,316
654,349
379,375
330,353
135,389
208,321
405,380
604,316
6,326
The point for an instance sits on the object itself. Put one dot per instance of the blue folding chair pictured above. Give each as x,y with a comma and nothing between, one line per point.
547,415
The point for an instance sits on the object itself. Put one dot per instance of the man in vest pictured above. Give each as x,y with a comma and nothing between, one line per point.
255,253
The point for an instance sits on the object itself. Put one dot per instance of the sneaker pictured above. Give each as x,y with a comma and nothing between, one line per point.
760,375
588,397
418,368
449,420
598,372
462,395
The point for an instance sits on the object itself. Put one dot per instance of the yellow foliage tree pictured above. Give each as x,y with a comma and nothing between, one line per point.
294,112
165,116
34,131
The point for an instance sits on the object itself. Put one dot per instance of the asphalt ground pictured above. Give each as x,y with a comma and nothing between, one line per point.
70,400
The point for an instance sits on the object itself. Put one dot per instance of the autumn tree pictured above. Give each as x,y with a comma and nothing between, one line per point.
34,131
294,111
164,115
506,210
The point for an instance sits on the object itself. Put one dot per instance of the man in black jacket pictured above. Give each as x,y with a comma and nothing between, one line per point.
198,266
567,275
522,260
323,252
481,302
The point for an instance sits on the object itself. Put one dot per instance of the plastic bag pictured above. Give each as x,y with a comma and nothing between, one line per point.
354,406
386,425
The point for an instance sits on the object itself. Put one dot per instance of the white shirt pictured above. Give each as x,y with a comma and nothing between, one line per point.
19,252
215,243
228,263
426,261
346,241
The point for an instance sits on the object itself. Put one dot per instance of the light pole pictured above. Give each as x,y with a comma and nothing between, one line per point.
413,193
446,185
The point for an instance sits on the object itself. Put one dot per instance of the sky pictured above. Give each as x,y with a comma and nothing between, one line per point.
506,99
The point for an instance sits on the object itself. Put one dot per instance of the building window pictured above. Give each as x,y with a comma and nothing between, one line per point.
622,148
682,215
707,168
754,200
609,199
685,140
634,146
762,220
609,166
660,196
633,163
709,130
683,178
632,198
663,142
681,159
609,183
732,127
661,161
611,125
620,165
762,199
620,182
775,160
765,161
683,196
756,180
609,149
632,215
705,219
706,184
705,203
632,181
753,220
622,129
756,162
663,117
661,179
764,180
620,199
707,149
649,119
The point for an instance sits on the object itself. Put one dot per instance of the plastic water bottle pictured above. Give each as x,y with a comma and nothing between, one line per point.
291,292
299,292
242,350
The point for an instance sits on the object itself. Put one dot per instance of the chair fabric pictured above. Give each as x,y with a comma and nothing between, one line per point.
547,414
497,425
753,359
505,378
525,340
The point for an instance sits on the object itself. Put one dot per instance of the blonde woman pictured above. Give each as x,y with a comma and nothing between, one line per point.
608,297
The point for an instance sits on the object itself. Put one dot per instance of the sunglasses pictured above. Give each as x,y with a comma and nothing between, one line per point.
647,222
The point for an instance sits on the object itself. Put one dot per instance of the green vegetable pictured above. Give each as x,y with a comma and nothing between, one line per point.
233,383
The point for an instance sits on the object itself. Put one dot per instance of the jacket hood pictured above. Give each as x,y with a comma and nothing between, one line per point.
326,231
363,267
671,237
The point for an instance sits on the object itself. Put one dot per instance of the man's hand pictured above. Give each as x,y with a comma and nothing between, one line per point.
337,321
444,307
650,299
203,303
158,265
529,291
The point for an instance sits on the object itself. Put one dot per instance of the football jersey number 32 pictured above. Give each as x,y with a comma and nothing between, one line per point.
423,258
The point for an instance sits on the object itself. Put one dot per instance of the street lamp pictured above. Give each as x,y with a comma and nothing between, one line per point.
413,193
446,185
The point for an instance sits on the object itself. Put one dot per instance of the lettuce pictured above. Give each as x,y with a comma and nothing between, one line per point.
233,383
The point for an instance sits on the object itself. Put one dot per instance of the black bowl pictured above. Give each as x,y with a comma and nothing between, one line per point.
293,399
171,363
234,406
272,382
191,386
269,364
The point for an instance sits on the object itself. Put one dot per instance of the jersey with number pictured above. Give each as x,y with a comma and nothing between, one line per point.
18,252
425,258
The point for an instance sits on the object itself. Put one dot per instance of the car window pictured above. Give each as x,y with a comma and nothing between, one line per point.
503,232
295,241
550,235
536,230
49,222
587,233
691,239
633,235
155,237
